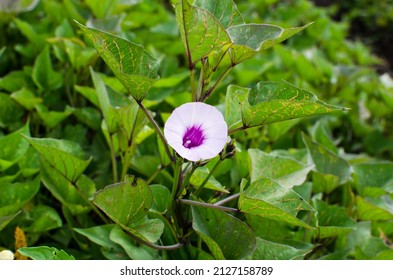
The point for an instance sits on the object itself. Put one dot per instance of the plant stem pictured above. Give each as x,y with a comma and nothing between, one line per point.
209,92
227,199
177,181
155,246
158,130
201,84
207,205
187,179
95,209
113,159
232,131
193,87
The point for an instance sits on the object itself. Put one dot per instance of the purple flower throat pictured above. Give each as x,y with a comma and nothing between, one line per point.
193,137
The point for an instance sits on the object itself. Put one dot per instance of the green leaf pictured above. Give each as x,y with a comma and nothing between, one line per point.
172,81
28,30
321,134
266,198
226,236
200,31
89,116
235,96
52,119
384,255
268,250
270,102
43,218
149,229
134,251
250,39
325,183
73,195
374,209
164,158
268,229
104,101
29,163
4,220
277,130
45,253
373,175
362,244
10,112
131,124
13,196
161,198
200,175
133,66
89,93
63,155
102,8
127,203
26,98
284,170
61,170
43,74
120,113
13,146
223,10
326,161
333,220
14,81
99,235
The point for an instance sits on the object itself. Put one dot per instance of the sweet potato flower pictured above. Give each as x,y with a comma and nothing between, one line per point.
196,131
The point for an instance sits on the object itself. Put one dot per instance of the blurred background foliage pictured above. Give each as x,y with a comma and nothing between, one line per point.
345,57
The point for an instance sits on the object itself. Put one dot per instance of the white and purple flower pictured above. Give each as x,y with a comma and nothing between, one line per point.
197,131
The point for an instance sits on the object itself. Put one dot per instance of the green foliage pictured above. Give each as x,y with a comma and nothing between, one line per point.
268,199
132,65
85,90
45,253
226,236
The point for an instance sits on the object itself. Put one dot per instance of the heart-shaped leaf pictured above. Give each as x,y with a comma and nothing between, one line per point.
131,63
127,204
270,102
63,155
266,198
201,32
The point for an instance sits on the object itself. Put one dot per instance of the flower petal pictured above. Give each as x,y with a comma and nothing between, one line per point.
197,114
